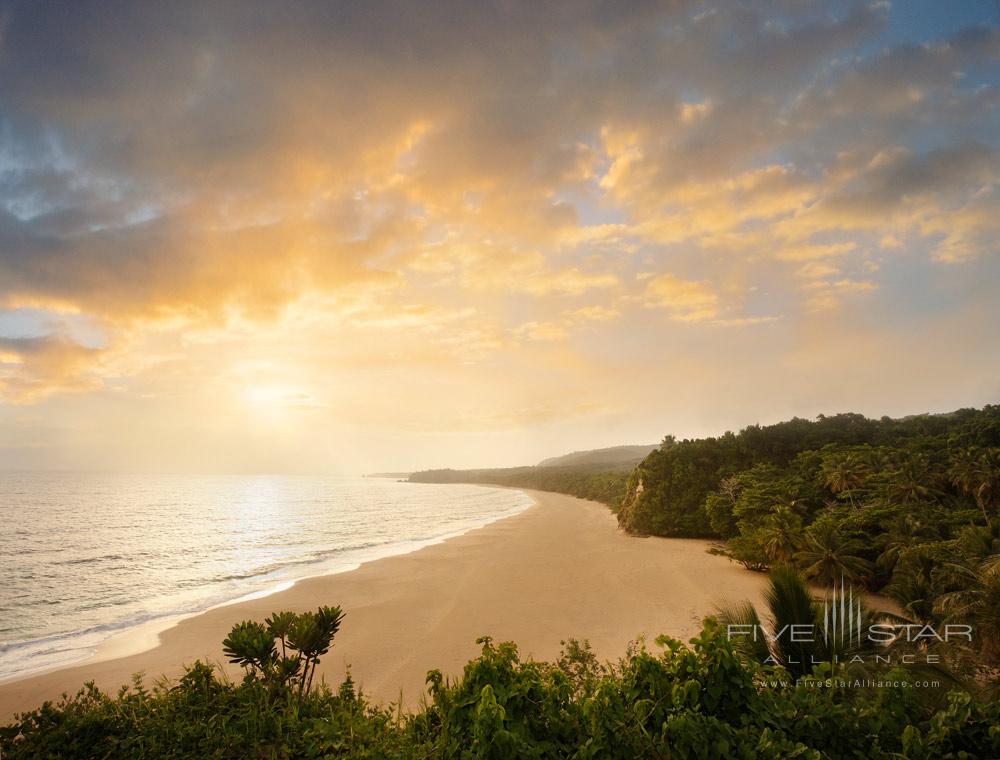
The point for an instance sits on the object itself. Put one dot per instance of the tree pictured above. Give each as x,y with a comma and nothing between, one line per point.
719,506
915,480
906,532
843,474
828,557
976,473
913,584
790,606
781,534
748,550
254,646
977,602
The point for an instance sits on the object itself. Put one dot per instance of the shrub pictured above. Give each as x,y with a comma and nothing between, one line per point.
698,701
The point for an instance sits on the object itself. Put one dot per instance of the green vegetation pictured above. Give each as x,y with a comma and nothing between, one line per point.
605,482
906,507
303,638
707,700
597,474
614,456
848,652
728,486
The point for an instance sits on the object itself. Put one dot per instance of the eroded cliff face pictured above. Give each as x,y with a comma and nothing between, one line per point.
627,512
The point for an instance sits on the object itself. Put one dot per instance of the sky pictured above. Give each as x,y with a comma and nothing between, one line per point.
339,237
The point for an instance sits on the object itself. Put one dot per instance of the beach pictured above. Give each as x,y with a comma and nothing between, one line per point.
561,569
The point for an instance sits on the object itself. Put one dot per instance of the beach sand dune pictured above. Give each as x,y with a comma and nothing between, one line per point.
560,569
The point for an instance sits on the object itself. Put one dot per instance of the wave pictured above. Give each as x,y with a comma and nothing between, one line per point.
20,658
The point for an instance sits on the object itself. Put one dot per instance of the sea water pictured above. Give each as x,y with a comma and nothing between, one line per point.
84,557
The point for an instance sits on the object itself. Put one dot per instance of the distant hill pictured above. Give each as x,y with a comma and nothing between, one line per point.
599,474
618,456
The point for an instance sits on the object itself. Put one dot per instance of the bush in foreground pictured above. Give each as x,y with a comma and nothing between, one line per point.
679,701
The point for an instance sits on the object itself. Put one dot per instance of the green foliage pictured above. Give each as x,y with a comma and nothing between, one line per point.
878,502
748,550
906,506
200,717
251,646
827,557
769,638
307,636
707,486
604,483
697,701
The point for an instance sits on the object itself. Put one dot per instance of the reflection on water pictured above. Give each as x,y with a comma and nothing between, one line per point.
86,555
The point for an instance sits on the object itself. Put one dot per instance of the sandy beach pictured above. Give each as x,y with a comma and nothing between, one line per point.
560,569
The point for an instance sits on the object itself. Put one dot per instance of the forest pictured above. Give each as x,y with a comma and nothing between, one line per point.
904,507
907,507
605,483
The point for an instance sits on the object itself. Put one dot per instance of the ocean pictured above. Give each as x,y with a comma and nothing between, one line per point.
87,556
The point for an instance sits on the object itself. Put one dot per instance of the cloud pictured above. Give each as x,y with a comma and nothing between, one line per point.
569,321
488,265
824,295
968,232
595,313
412,196
175,266
31,368
542,331
685,300
808,251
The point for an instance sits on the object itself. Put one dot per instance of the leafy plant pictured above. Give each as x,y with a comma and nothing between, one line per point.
303,638
828,557
700,700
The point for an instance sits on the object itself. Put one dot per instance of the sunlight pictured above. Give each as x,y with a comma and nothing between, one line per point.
269,399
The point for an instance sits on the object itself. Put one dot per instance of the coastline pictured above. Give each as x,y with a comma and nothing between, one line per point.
558,569
117,639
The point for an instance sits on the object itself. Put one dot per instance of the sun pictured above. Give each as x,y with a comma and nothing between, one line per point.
275,402
268,395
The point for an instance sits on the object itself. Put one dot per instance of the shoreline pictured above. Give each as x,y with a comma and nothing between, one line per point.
139,637
535,577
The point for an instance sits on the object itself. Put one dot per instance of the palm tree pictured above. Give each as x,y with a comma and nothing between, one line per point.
790,603
977,603
914,481
977,542
913,584
907,531
977,473
781,534
828,557
844,474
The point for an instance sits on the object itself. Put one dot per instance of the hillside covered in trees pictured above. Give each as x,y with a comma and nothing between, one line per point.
677,489
589,475
907,507
623,456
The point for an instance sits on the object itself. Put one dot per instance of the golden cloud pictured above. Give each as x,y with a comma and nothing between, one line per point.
449,185
685,300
